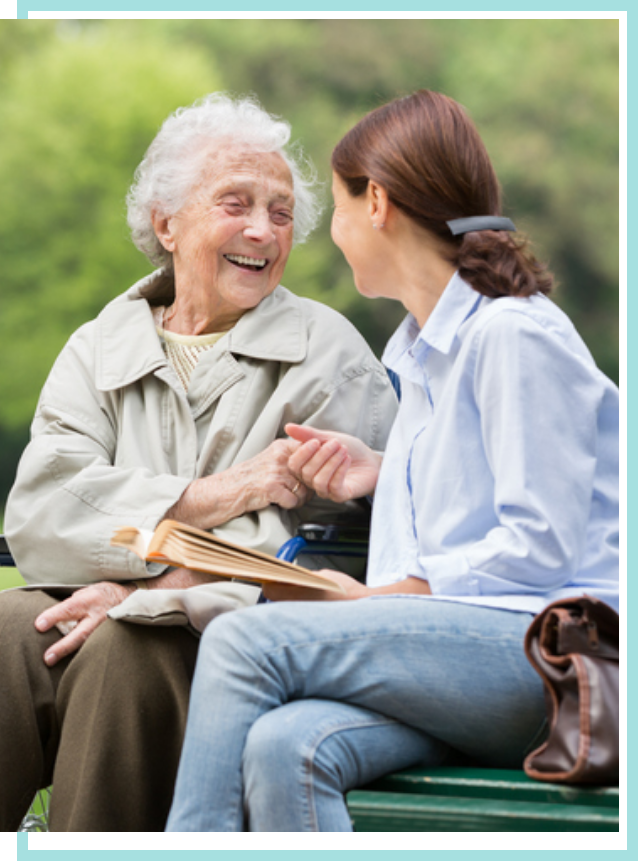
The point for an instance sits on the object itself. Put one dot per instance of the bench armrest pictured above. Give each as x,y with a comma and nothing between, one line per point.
6,559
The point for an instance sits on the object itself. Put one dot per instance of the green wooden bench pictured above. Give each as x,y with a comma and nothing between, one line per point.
456,798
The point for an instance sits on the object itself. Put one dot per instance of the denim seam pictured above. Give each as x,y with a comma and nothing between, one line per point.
310,758
345,639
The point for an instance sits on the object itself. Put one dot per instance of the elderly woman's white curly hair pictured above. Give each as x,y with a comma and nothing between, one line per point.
174,163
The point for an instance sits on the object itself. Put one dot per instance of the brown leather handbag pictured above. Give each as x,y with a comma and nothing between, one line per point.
573,645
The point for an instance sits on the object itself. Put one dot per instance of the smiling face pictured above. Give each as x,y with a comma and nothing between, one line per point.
231,242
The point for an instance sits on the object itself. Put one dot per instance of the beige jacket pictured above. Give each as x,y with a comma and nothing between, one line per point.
116,440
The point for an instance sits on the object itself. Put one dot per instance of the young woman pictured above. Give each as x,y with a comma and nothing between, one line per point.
497,494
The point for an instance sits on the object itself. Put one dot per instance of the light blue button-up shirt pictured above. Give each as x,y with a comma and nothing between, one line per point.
500,480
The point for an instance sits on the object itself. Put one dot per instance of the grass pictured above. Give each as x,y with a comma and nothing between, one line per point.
37,819
9,577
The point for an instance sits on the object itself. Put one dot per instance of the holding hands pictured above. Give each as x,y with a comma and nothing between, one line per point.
336,466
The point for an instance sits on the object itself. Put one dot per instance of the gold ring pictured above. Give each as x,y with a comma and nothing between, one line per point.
296,488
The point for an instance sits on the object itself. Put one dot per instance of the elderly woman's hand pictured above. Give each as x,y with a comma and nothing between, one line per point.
268,480
78,616
335,465
252,485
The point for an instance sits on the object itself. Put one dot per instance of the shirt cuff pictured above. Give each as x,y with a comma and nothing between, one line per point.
448,575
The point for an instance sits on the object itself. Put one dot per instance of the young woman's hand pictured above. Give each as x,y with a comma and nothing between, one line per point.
336,466
284,592
352,589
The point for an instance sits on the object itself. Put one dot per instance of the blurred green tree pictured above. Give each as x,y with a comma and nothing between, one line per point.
81,101
77,115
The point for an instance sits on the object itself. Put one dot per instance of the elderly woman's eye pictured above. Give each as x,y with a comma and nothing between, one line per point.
282,216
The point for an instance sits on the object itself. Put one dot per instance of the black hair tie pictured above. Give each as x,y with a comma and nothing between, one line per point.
459,226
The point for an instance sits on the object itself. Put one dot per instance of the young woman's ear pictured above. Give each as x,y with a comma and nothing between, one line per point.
378,203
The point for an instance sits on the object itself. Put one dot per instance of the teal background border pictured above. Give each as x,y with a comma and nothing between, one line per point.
23,9
25,6
324,855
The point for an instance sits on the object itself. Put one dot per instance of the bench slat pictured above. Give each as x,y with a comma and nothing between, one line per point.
390,811
494,784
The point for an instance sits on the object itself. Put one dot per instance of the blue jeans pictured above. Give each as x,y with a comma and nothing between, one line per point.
295,703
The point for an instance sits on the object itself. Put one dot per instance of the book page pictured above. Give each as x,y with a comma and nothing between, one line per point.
183,545
133,539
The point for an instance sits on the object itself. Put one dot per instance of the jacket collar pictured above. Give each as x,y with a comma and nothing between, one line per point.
128,348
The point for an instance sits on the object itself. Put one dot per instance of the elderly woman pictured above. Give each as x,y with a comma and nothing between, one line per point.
172,403
497,494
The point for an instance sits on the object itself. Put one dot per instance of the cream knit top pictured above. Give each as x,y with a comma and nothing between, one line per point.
183,351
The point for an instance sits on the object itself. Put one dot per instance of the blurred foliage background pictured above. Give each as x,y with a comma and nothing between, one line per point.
81,100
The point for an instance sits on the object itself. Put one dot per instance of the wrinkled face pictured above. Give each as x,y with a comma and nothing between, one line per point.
232,240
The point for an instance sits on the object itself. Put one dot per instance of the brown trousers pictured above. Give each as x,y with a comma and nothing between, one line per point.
104,726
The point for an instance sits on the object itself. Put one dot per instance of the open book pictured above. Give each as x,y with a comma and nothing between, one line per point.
179,544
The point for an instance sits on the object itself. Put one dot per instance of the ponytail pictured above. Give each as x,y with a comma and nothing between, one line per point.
496,264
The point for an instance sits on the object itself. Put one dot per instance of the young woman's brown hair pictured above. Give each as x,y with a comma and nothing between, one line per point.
427,154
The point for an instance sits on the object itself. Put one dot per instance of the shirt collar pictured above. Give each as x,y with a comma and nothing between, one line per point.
127,345
457,302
